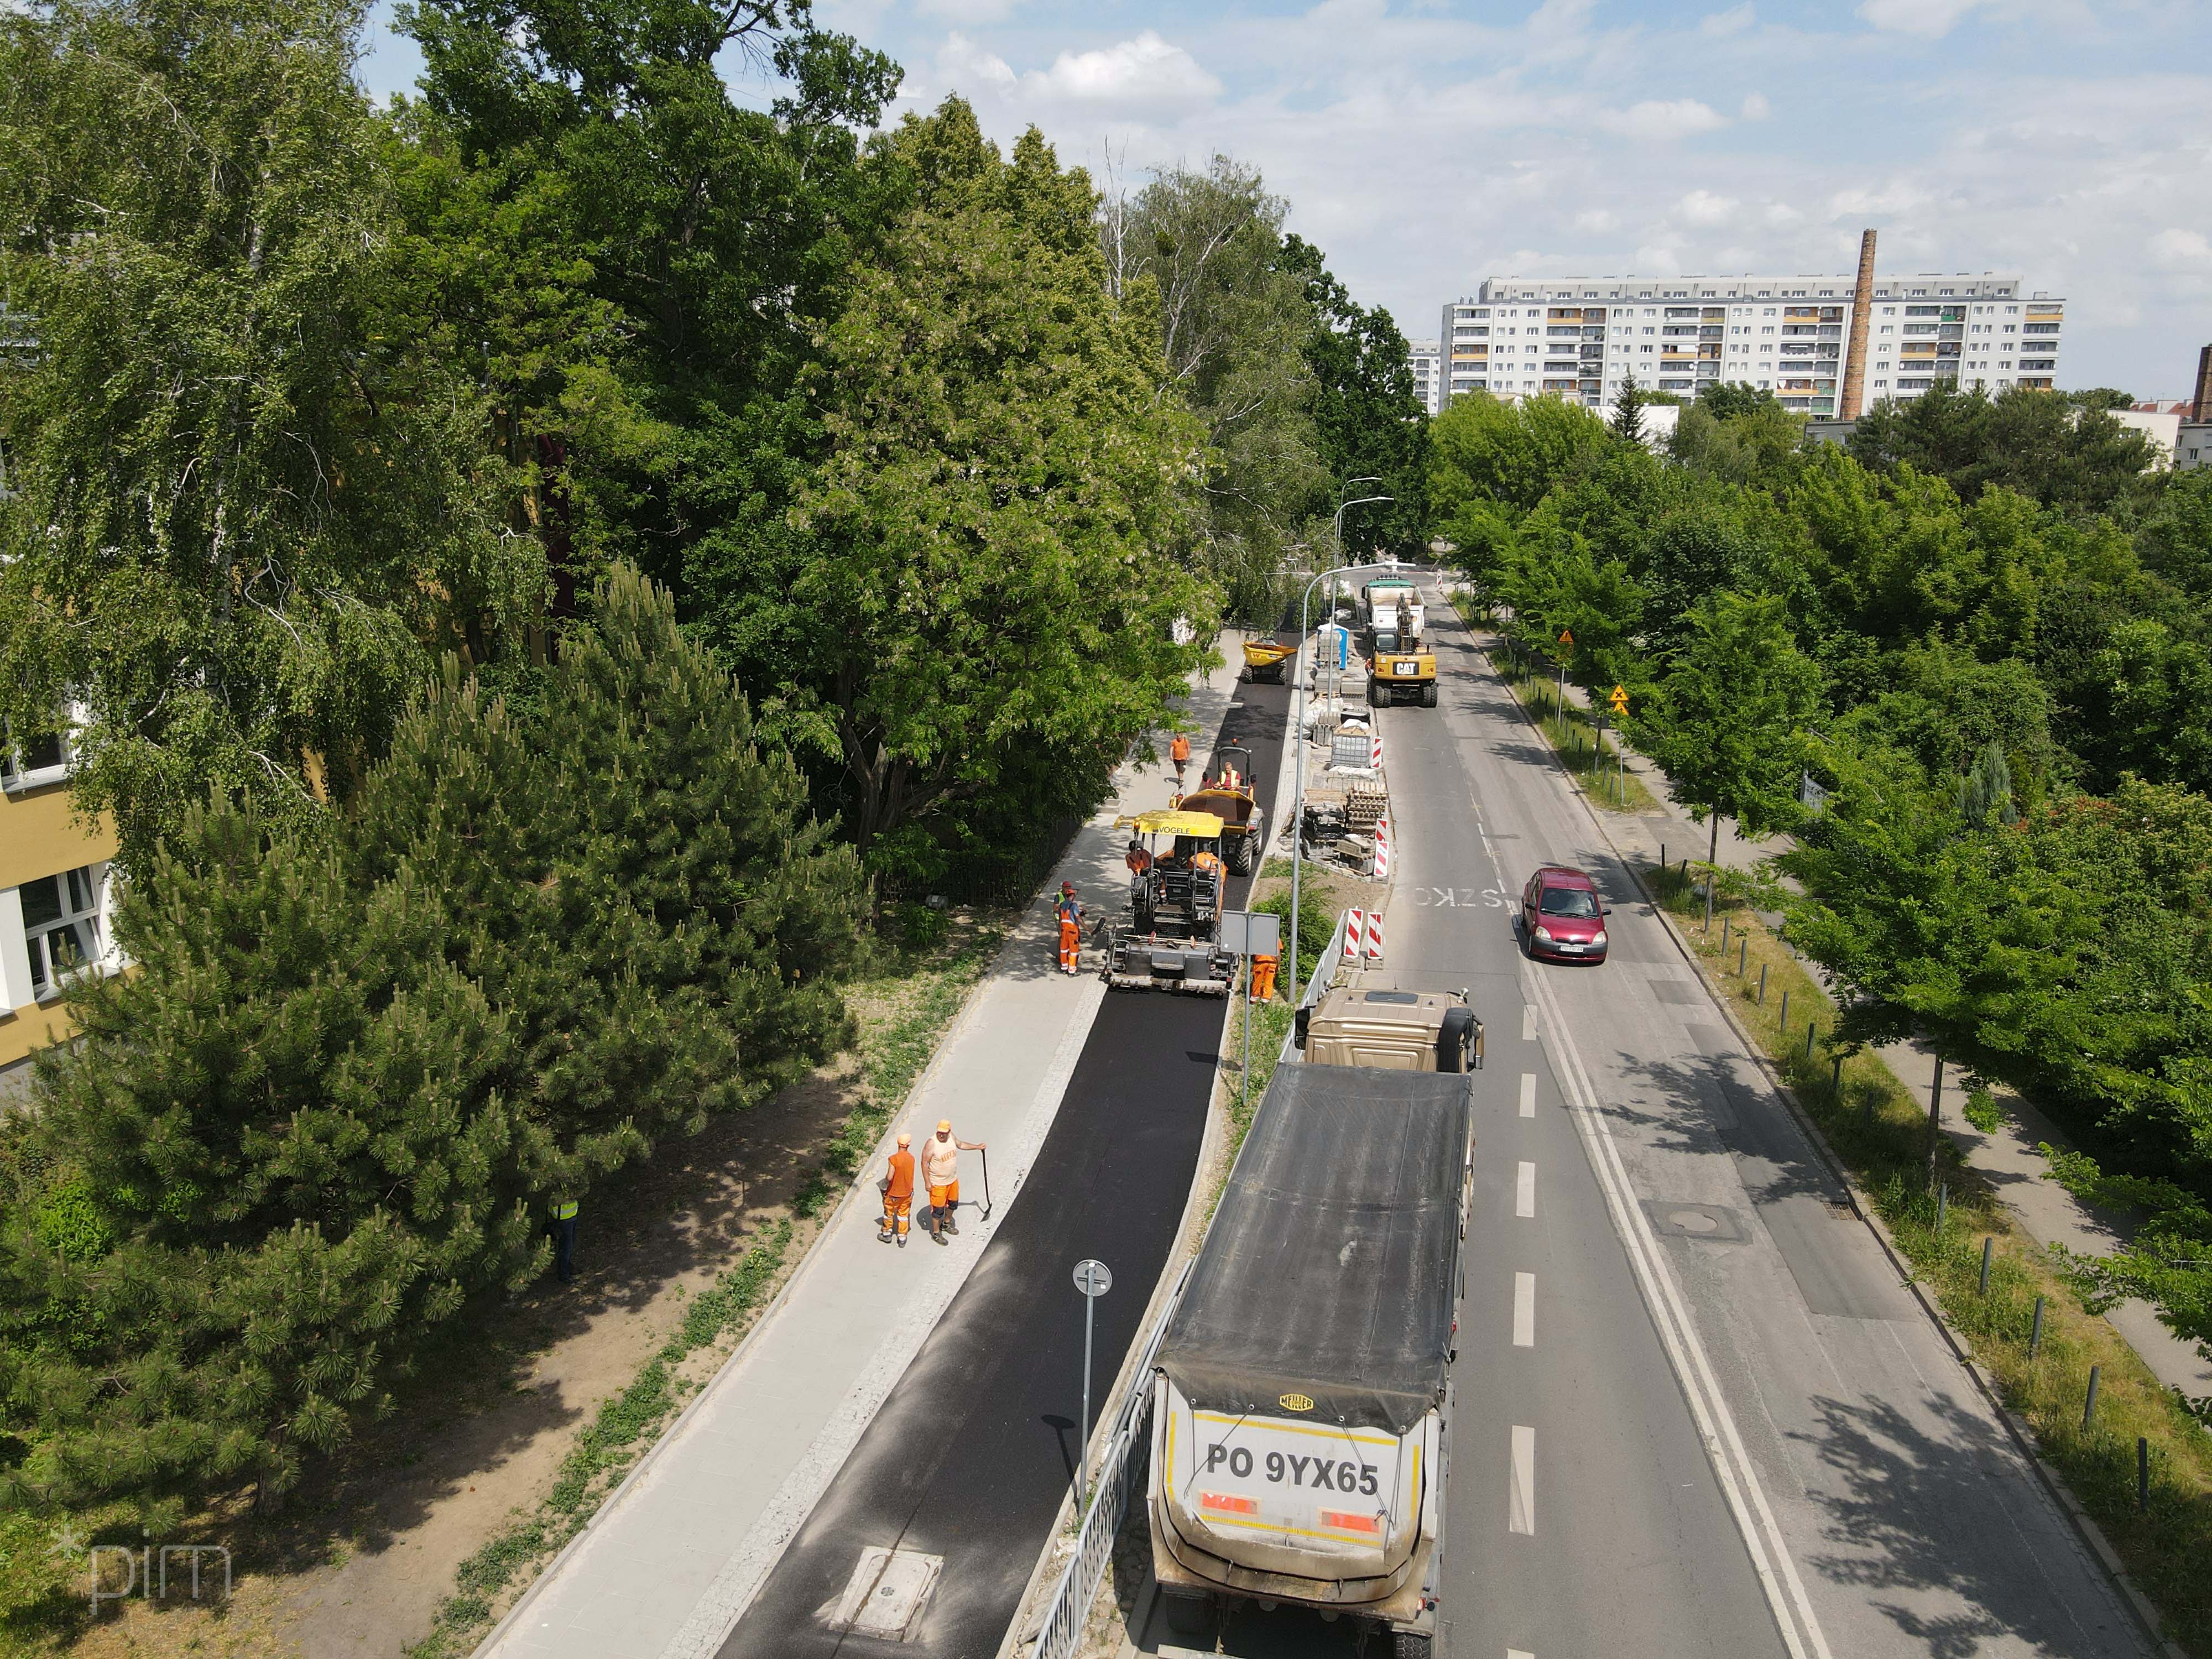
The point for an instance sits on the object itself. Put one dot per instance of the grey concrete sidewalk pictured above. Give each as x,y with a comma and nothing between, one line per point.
673,1557
2008,1157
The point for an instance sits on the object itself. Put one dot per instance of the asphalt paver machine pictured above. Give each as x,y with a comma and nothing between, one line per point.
1170,938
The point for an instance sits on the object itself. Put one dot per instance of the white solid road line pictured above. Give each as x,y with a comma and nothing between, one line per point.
1528,1021
1521,1495
1724,1448
1528,1094
1524,1192
1524,1310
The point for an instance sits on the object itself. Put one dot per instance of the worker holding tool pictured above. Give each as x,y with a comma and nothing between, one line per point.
940,1169
1069,915
1179,752
897,1186
1263,979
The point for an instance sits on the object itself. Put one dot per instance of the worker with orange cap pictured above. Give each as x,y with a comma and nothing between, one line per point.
1069,915
940,1171
897,1186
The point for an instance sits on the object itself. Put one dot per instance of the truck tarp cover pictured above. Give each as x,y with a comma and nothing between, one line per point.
1328,1269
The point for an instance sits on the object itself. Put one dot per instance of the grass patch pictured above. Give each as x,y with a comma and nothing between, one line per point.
604,1451
1880,1131
910,1006
1590,755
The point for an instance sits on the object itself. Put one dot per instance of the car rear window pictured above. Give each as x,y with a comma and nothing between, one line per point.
1569,901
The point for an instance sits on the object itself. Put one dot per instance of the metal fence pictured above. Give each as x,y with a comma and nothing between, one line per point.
1121,1474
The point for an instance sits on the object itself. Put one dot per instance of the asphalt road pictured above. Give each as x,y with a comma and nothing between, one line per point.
1697,1412
972,1453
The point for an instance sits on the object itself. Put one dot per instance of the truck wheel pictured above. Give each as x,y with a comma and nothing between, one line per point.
1374,693
1429,695
1408,1645
1241,857
1187,1615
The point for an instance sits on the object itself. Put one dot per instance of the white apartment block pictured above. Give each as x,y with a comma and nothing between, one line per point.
1427,358
1576,338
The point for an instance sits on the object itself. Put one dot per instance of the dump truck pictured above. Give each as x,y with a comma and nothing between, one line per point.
1226,792
1401,666
1302,1391
1387,1028
1169,938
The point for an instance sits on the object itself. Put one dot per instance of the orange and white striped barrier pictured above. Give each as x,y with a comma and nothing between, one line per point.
1383,848
1355,934
1375,936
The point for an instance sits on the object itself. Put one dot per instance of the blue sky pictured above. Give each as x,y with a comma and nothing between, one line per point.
1425,146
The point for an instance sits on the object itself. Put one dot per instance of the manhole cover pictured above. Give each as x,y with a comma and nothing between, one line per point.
1715,1222
887,1594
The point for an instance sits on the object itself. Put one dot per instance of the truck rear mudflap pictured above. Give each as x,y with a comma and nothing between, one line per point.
1401,1599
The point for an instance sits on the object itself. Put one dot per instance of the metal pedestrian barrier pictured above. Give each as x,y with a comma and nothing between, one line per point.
1121,1473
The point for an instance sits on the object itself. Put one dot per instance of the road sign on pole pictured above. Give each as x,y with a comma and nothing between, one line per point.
1248,934
1619,700
1092,1279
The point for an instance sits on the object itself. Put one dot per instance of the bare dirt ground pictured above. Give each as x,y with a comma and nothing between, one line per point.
358,1564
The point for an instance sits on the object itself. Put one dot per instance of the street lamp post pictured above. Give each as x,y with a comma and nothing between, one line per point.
1298,737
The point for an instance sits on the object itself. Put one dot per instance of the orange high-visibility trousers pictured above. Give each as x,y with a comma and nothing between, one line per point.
1071,935
898,1212
1263,979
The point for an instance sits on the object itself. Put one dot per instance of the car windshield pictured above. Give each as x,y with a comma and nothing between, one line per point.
1569,901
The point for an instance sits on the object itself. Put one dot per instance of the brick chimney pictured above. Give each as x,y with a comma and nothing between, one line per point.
2200,406
1855,358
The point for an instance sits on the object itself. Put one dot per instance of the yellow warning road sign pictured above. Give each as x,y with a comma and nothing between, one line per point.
1619,700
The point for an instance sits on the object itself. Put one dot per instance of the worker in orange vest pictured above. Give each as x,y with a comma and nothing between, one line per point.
1179,752
1069,915
897,1186
1263,979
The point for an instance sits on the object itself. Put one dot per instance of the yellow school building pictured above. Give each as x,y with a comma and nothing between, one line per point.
55,898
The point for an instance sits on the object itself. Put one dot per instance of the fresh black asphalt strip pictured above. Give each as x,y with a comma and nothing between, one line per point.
969,1457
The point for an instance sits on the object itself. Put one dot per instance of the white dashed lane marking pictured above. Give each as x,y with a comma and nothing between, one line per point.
1528,1021
1524,1192
1528,1094
1521,1499
1524,1310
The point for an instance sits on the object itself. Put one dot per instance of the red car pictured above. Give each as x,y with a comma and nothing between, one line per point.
1561,917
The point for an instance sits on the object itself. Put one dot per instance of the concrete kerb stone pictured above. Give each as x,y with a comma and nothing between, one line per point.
1862,1203
1189,1234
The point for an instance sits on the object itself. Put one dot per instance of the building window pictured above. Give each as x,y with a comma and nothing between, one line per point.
61,926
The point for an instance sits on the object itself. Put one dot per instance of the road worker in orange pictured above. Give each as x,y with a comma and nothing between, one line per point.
1263,979
940,1169
1069,915
1179,752
897,1186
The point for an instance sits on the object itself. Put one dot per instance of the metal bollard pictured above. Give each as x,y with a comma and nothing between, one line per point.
1983,1289
2035,1331
1943,1205
1742,954
1785,1005
1725,929
1762,984
2142,1473
1812,1028
2089,1404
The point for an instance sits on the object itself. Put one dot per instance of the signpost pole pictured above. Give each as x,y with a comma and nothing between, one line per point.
1092,1279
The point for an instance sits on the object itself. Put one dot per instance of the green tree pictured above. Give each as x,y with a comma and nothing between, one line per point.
1628,411
322,1117
1731,724
1368,418
1732,400
245,514
1002,531
1206,249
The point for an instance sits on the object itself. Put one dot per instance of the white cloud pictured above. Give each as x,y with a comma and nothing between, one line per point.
1596,222
966,67
968,11
1146,71
1702,207
1755,106
1932,18
1733,21
1657,119
2175,249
